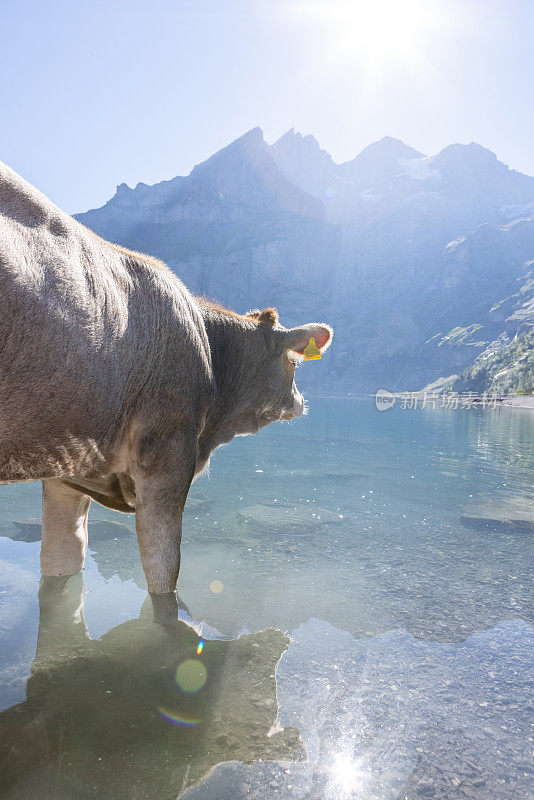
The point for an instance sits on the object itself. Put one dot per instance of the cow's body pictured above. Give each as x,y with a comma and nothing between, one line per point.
84,330
116,383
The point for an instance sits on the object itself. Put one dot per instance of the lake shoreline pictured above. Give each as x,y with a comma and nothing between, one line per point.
511,401
518,401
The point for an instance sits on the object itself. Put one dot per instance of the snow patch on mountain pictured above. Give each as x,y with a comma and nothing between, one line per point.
420,169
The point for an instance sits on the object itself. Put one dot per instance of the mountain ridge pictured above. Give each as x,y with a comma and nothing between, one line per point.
394,248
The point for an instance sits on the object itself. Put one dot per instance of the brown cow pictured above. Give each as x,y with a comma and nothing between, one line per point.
117,384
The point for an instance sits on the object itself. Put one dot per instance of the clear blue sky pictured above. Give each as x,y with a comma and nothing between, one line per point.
96,93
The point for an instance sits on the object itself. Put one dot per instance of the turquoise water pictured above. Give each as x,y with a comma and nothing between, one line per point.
362,582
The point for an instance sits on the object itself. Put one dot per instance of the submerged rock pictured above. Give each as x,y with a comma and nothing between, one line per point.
288,518
30,530
513,511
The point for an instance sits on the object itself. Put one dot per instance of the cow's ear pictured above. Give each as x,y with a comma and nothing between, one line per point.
298,338
269,316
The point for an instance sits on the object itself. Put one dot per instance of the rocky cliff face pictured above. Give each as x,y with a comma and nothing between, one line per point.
395,249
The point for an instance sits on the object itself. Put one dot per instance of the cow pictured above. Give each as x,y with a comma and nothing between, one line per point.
117,384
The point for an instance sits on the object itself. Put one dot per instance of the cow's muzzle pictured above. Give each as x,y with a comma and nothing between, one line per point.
297,409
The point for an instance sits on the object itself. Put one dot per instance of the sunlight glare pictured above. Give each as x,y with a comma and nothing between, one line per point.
379,35
348,776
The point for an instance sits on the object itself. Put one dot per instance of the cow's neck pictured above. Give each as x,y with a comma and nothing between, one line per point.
232,342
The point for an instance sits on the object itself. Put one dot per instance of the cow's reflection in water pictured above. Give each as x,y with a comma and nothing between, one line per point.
106,718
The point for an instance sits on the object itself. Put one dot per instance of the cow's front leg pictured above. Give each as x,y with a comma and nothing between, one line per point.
161,488
64,540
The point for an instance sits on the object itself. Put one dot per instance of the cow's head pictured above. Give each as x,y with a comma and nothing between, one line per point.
255,360
275,395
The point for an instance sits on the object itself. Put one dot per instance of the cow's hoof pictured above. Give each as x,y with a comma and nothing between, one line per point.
165,607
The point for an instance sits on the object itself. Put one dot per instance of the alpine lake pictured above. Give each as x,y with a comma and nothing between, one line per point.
356,622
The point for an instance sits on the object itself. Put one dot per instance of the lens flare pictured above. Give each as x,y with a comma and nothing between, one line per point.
200,647
216,587
177,718
191,675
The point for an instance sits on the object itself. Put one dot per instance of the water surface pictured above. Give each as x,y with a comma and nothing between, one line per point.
362,582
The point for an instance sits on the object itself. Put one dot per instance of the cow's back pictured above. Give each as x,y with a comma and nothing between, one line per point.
84,326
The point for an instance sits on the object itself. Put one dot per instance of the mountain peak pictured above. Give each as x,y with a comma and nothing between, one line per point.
246,170
472,152
249,144
296,154
292,138
303,162
389,148
253,135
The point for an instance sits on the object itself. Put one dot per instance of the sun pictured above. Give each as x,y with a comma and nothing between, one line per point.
375,35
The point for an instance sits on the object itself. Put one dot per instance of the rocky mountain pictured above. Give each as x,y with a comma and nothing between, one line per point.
408,256
505,367
506,364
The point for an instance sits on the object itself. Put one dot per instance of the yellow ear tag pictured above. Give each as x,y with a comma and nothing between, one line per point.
311,351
